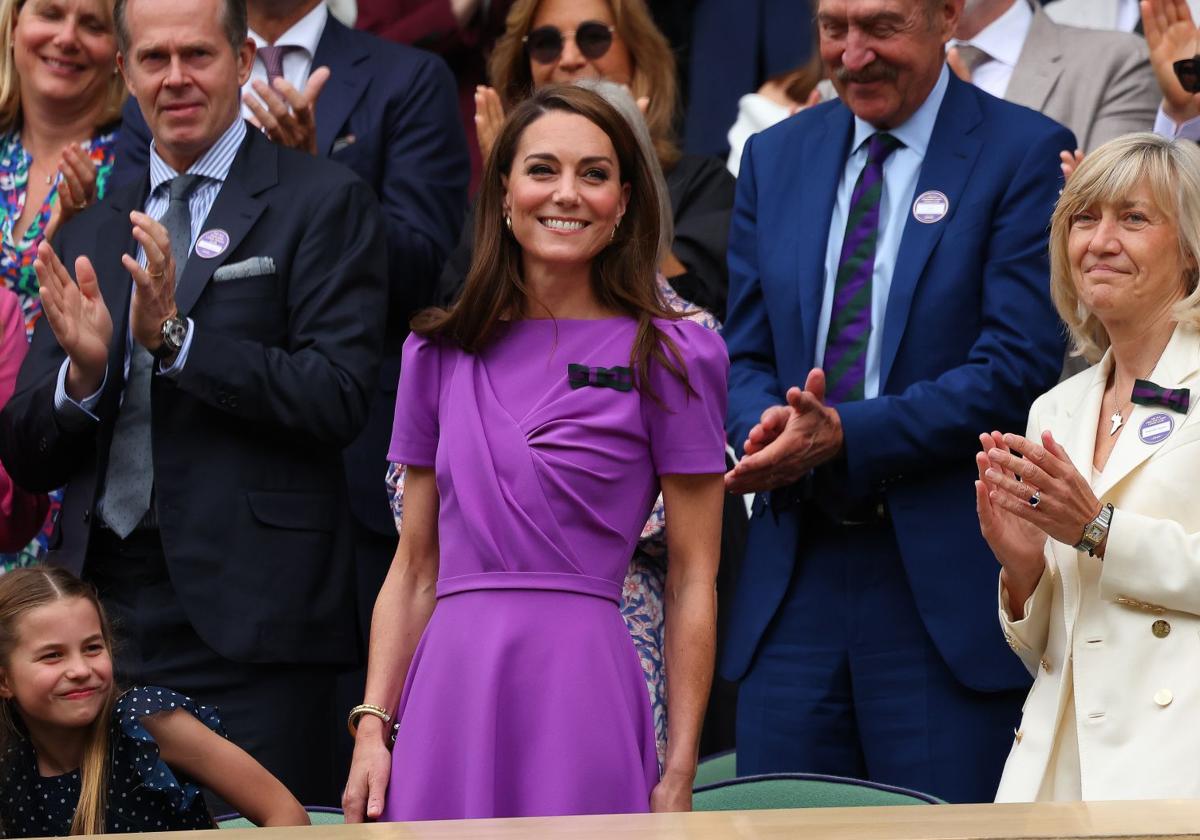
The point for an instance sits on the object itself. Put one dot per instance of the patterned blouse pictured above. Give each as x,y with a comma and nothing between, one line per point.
16,258
646,579
16,267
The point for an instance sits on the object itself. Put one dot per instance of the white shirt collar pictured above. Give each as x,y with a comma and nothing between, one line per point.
917,130
1004,38
305,33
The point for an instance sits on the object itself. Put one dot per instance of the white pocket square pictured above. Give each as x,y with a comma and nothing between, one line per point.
252,267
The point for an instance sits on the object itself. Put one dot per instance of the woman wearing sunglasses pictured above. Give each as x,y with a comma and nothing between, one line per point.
560,41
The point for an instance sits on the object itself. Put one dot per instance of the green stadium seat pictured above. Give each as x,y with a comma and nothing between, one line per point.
801,790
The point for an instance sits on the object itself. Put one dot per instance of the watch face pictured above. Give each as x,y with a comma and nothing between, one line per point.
173,333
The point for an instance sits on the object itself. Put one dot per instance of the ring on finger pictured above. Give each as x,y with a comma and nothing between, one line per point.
157,275
1035,499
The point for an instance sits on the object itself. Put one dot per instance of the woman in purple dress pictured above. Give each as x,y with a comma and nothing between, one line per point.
539,418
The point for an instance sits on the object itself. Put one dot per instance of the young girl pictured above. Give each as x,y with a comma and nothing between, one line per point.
79,757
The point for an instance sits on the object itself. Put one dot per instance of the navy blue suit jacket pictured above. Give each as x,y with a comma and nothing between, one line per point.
390,113
970,338
247,440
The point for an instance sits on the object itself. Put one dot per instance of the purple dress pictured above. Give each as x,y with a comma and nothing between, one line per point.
525,696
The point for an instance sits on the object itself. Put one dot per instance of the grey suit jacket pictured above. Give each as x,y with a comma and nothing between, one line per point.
1098,84
1094,14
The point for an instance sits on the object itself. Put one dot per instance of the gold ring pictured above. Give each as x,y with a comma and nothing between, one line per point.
157,276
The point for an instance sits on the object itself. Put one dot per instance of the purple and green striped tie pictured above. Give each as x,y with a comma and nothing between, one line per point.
850,318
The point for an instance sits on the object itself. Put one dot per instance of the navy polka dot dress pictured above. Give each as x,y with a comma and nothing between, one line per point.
144,794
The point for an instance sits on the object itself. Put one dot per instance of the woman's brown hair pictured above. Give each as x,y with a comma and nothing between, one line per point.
622,273
653,67
10,81
21,591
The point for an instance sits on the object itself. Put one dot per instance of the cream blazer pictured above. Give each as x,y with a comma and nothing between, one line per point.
1134,657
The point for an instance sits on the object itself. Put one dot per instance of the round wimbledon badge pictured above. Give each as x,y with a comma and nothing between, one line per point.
931,206
212,243
1156,428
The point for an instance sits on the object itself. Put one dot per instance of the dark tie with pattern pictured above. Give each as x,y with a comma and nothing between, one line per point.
850,318
130,477
273,60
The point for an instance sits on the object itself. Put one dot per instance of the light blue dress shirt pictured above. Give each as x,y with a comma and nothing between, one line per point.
900,173
214,166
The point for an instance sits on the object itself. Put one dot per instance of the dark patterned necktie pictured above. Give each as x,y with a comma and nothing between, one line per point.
130,476
850,318
272,58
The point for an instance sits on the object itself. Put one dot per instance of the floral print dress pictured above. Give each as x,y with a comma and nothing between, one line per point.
16,268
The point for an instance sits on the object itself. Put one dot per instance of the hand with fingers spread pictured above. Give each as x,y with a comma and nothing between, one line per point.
78,317
489,116
1171,35
1052,495
286,115
1017,543
154,285
789,441
76,187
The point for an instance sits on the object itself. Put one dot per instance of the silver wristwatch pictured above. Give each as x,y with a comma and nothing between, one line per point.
1095,531
173,333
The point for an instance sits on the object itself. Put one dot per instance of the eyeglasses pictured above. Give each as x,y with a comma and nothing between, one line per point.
592,38
1187,70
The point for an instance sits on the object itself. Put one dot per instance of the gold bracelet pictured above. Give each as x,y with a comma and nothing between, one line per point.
366,709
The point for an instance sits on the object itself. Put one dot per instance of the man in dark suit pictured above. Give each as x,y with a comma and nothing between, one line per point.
888,253
388,112
194,391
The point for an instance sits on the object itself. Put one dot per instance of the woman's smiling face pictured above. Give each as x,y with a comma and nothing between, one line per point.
563,192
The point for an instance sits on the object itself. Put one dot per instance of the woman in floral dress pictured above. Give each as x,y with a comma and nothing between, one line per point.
60,103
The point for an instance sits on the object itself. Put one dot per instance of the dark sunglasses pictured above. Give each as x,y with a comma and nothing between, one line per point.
592,38
1187,70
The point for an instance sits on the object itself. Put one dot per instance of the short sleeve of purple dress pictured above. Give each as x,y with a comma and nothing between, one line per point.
525,696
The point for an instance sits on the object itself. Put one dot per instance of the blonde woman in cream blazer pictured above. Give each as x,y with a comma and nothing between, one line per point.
1112,637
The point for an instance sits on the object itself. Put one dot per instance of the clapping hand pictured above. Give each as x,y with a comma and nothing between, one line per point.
76,187
1017,543
78,317
489,116
1171,35
789,440
154,285
957,65
1064,504
1069,162
288,116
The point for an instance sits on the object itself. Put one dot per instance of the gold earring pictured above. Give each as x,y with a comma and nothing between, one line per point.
508,222
613,236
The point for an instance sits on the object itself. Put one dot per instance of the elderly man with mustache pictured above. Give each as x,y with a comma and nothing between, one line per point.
889,297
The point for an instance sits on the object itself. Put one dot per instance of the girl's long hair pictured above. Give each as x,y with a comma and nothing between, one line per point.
622,273
22,590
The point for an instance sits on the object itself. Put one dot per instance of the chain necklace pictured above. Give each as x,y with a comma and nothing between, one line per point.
1117,419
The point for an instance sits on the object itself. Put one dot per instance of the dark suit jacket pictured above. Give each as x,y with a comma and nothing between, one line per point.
970,338
736,46
388,112
247,441
431,25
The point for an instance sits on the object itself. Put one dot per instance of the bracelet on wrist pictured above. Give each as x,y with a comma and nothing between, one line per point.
366,709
